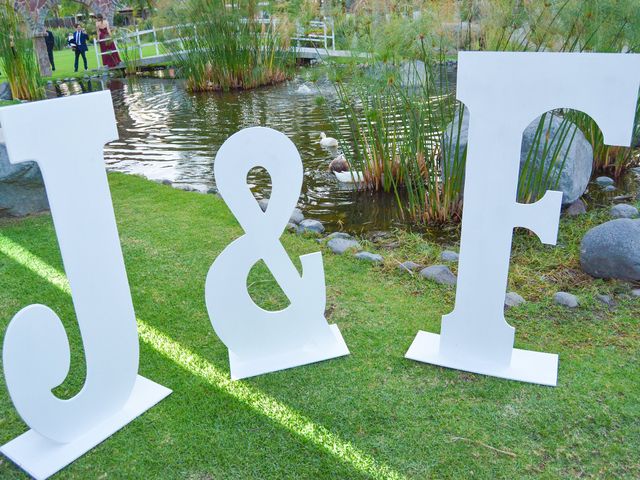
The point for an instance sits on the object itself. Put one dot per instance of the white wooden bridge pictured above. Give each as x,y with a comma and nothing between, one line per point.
153,46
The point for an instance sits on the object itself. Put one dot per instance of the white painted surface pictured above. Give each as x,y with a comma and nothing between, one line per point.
41,457
505,92
66,137
260,341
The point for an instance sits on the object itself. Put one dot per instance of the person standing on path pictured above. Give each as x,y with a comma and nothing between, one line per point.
49,42
107,44
79,44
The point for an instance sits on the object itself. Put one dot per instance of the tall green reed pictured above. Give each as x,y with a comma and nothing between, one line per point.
224,47
394,134
394,123
17,56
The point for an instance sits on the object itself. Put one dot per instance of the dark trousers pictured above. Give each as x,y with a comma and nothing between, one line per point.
84,59
50,53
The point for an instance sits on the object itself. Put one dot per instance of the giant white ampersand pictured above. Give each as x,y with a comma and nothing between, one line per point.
261,341
66,137
505,92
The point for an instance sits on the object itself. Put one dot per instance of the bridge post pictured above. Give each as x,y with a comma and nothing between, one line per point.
155,41
95,48
139,43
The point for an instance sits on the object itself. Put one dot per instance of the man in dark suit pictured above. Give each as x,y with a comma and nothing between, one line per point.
50,43
79,43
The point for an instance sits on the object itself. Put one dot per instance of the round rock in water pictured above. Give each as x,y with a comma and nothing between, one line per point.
439,274
22,189
512,299
623,210
566,299
309,225
571,167
341,245
612,250
369,257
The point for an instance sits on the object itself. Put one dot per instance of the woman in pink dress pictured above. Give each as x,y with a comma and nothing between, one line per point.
106,43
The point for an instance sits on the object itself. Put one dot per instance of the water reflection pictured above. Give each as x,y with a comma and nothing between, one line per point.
168,133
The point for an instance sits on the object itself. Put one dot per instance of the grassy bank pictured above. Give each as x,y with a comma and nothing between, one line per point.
64,60
370,415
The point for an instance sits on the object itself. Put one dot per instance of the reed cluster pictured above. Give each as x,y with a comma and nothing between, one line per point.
397,113
224,47
406,133
395,120
17,56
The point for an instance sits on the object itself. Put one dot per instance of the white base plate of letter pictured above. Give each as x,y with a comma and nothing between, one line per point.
525,366
243,368
41,457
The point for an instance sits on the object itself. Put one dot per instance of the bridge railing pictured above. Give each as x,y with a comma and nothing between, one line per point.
145,44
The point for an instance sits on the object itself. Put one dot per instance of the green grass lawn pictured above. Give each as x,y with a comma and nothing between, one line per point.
372,414
64,60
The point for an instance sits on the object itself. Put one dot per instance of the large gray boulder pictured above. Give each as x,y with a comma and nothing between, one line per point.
21,187
612,250
573,163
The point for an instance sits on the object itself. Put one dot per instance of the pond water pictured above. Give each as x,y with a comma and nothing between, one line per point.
167,133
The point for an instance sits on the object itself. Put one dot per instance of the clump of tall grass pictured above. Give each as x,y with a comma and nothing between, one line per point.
405,131
395,118
129,54
394,131
17,56
225,47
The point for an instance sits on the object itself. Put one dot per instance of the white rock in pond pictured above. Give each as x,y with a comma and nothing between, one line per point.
623,210
604,181
512,299
310,225
609,188
341,245
369,257
635,292
409,266
449,256
349,177
439,274
566,299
